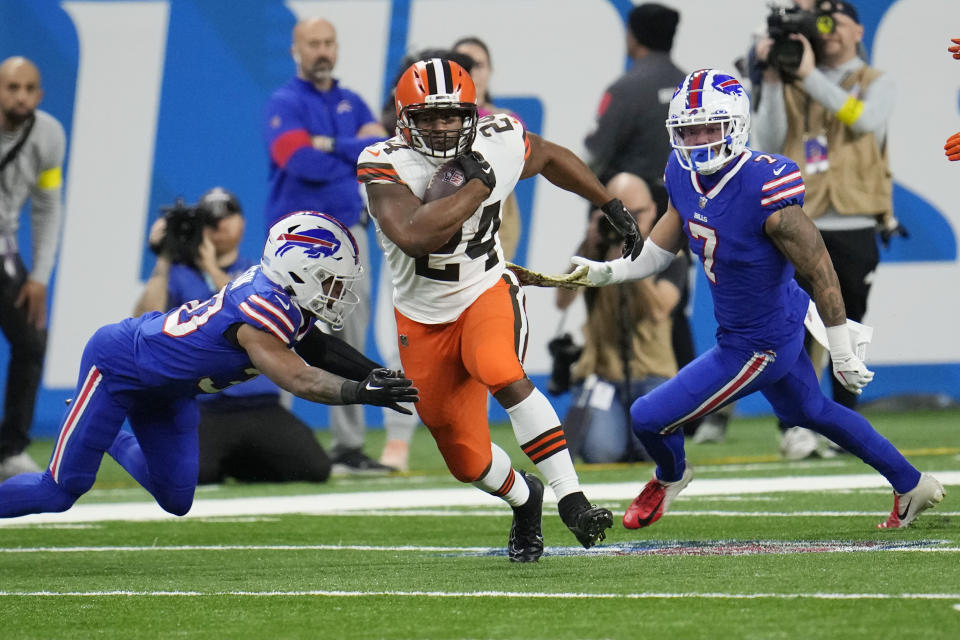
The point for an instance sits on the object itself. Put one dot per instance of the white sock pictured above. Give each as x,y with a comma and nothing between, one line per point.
502,480
541,437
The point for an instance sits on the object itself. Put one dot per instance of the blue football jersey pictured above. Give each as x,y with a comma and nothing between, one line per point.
756,301
191,348
187,282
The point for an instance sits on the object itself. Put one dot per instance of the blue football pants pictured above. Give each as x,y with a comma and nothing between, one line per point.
162,453
787,380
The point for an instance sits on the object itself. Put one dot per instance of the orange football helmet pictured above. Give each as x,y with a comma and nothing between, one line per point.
436,84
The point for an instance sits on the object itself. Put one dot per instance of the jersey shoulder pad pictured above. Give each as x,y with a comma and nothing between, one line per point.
502,128
778,180
375,164
267,307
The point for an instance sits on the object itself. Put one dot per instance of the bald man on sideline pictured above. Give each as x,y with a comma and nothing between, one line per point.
32,145
314,130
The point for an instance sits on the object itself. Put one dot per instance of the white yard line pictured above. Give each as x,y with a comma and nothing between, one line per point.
333,503
494,594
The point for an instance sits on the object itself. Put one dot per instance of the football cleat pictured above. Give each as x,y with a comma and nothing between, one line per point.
653,501
907,506
797,443
590,524
526,539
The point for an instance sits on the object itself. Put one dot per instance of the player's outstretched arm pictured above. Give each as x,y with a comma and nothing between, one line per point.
332,354
955,49
799,240
659,251
272,358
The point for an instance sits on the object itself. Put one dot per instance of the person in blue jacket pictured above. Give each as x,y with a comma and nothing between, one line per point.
314,130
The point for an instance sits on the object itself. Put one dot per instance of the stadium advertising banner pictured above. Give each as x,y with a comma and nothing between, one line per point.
165,98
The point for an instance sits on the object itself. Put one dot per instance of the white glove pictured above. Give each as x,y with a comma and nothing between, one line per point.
847,367
600,274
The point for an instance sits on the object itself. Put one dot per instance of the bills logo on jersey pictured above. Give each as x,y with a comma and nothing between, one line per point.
316,243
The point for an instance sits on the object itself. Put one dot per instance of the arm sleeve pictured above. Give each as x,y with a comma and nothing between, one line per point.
869,115
769,129
46,210
326,352
291,148
653,259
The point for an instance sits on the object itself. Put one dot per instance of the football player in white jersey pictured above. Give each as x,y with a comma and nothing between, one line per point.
460,314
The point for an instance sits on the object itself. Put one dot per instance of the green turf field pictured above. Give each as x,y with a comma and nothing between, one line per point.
418,556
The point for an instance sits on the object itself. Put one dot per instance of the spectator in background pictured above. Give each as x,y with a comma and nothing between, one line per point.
830,117
32,145
245,432
629,134
315,129
631,318
480,72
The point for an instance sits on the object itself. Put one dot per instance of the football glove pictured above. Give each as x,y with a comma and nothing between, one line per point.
852,373
476,166
952,148
381,388
847,367
599,274
955,49
626,225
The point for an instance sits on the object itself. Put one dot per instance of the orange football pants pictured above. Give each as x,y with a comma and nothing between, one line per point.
455,364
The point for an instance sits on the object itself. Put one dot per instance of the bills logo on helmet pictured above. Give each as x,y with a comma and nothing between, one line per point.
727,84
316,242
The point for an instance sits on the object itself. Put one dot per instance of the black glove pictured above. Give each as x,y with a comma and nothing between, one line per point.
475,166
626,225
382,388
889,230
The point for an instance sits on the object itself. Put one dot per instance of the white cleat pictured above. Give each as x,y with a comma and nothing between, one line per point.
798,443
17,464
907,506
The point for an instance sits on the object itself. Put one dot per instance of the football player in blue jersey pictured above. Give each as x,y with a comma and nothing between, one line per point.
150,369
741,210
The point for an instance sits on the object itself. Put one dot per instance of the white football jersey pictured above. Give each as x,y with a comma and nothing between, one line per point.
437,288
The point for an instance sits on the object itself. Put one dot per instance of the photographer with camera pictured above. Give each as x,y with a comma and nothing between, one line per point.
245,433
830,116
627,347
